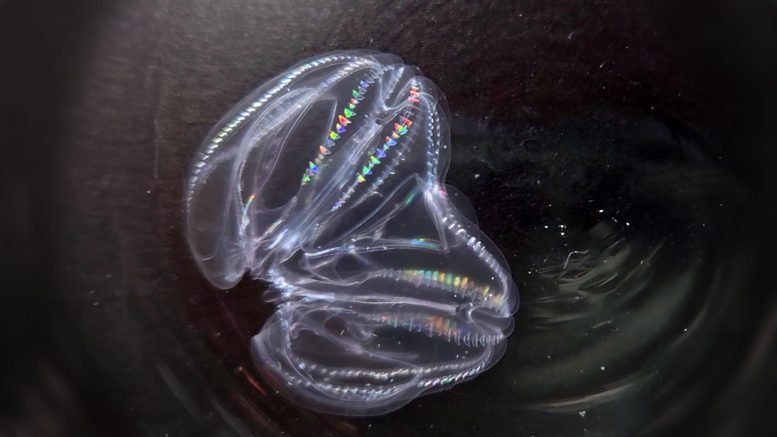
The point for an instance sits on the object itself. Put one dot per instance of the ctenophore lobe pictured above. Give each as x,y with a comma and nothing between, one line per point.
327,182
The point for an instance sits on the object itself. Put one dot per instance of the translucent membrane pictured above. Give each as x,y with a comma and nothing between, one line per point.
327,182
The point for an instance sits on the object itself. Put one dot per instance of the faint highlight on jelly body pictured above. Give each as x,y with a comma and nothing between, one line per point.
327,182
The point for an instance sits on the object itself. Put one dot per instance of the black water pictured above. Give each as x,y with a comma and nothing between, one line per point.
620,154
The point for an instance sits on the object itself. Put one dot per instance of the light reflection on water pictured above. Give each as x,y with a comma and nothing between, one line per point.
627,272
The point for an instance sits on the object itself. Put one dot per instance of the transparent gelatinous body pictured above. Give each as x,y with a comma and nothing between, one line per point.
327,182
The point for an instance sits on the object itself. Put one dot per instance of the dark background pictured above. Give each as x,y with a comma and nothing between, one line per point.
661,114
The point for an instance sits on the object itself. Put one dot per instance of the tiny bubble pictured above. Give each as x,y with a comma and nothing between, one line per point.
603,368
581,413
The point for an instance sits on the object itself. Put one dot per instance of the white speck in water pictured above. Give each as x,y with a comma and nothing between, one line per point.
477,175
601,211
581,413
603,368
546,226
148,191
562,234
685,330
628,224
96,304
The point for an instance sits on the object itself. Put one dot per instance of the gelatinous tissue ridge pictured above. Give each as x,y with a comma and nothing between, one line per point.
327,182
